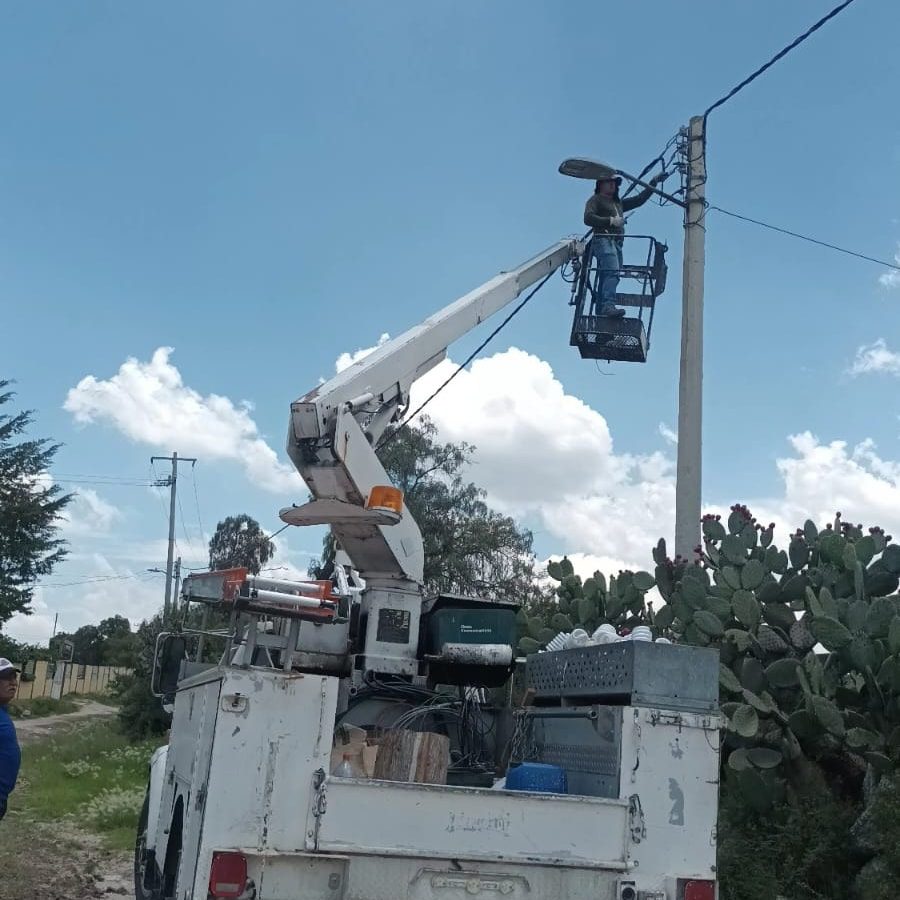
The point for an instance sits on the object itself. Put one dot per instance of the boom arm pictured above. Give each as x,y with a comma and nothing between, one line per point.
333,428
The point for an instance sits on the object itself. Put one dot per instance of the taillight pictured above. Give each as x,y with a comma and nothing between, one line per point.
700,890
228,876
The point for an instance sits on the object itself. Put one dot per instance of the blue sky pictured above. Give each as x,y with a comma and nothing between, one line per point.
262,187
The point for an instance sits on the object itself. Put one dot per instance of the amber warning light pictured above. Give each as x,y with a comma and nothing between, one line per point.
386,498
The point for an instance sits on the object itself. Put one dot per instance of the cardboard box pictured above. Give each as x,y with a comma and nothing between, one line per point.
363,751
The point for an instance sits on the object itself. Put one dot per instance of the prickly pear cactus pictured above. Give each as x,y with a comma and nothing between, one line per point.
586,604
809,642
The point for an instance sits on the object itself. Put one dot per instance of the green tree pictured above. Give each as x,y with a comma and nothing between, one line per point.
29,511
111,643
119,642
140,713
20,652
239,541
469,548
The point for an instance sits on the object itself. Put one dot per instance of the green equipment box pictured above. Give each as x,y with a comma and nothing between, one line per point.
451,621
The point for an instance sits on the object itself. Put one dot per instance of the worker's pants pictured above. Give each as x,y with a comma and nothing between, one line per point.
608,254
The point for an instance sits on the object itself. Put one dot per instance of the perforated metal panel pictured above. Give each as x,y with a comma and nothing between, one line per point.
585,741
635,673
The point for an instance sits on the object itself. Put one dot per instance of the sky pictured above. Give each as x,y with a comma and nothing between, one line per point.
204,205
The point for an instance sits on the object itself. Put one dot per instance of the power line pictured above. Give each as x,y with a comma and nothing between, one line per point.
803,237
102,481
275,534
158,483
197,501
184,530
98,475
386,440
778,56
659,158
95,579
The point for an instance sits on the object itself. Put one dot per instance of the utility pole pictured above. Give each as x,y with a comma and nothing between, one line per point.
171,482
690,384
177,584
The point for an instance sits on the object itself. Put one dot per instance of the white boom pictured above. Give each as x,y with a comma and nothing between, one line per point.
335,426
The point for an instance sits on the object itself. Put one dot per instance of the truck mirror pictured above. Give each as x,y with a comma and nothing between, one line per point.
171,651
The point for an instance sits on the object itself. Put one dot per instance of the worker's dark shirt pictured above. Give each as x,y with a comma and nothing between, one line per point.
10,756
599,210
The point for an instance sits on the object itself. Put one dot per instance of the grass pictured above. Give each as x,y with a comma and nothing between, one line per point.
41,706
91,775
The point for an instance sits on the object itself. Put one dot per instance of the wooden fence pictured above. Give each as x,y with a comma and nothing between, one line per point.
37,678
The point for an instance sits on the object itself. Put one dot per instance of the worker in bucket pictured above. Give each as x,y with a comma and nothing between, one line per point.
604,213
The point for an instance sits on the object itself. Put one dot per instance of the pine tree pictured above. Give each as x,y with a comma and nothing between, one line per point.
30,509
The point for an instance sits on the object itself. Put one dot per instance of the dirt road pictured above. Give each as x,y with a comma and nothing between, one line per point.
29,729
54,862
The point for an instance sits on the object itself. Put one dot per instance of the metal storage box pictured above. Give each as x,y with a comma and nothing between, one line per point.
631,673
485,624
585,741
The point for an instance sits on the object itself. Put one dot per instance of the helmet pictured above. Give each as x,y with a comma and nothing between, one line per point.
610,177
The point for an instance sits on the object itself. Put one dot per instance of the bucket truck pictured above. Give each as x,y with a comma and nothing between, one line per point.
251,799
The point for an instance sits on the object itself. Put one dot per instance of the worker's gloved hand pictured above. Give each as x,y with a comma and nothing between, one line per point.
658,179
616,221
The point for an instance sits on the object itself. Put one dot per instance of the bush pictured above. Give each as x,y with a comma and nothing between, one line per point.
799,850
140,713
41,706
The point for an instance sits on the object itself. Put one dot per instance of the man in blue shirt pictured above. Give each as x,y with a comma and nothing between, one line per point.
10,756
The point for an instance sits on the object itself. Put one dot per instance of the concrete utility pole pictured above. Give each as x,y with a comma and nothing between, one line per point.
690,384
177,584
171,482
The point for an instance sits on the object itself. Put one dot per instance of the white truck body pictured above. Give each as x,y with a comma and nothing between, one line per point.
247,770
246,777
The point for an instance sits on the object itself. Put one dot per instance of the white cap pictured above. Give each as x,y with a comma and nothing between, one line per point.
6,666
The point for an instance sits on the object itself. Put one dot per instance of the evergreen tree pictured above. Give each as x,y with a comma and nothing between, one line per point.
30,509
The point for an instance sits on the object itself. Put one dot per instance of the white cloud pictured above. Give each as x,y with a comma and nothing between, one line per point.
548,456
86,514
891,279
89,515
545,456
875,357
821,479
99,590
34,629
345,360
670,436
149,403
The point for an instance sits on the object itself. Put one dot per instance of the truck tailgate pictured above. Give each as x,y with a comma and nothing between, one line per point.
435,821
